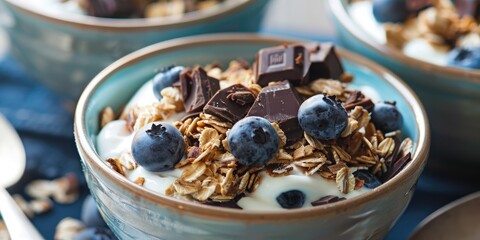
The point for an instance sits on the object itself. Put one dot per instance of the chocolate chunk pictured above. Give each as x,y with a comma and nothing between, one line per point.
279,103
356,98
190,115
197,89
286,62
325,63
230,104
468,8
110,8
327,199
398,166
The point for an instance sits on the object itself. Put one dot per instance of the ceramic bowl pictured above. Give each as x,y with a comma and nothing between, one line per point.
135,212
451,95
66,51
456,220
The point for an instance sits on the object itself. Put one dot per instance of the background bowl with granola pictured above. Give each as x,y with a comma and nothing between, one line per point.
428,56
63,47
131,209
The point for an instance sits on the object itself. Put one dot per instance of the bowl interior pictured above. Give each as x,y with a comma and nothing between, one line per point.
116,85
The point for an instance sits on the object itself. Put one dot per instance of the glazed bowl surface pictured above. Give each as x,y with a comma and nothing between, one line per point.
65,51
451,95
134,212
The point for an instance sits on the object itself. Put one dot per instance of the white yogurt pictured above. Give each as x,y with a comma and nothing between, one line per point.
362,13
114,140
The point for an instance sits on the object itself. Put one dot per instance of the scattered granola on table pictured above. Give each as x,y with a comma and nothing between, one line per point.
284,133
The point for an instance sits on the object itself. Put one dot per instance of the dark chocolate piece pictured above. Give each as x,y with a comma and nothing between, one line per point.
286,62
468,8
190,115
197,89
324,63
398,166
279,103
110,8
356,98
327,199
230,104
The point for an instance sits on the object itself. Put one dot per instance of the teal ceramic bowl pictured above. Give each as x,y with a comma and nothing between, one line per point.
66,51
134,212
451,96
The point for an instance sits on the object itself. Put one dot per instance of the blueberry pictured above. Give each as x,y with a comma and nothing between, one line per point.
95,234
386,117
291,199
464,57
370,181
90,215
323,117
390,10
158,147
253,141
165,78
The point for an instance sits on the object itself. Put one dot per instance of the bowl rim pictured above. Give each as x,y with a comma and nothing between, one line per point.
227,8
91,159
341,14
449,208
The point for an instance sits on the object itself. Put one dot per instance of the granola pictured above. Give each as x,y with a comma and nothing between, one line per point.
211,172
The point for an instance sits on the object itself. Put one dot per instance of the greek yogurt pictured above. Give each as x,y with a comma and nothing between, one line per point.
115,139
